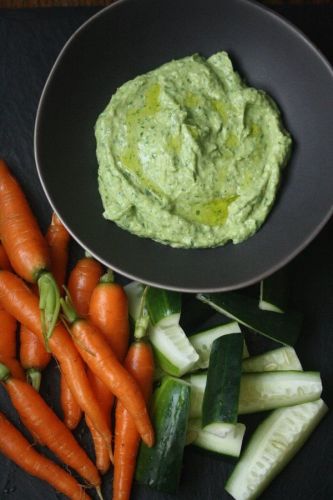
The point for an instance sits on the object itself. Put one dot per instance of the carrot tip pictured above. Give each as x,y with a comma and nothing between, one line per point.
99,493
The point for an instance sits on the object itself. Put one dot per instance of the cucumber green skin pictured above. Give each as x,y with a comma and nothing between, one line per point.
220,403
283,328
160,466
162,303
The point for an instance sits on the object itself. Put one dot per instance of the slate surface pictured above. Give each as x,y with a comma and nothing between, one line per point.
29,43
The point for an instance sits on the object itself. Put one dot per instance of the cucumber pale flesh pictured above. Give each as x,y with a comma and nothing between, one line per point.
284,358
272,446
225,439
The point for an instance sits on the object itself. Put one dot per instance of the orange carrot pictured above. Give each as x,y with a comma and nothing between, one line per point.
58,239
20,235
15,447
19,301
81,283
43,423
26,247
105,399
4,261
101,360
140,364
33,356
108,310
7,334
14,367
71,410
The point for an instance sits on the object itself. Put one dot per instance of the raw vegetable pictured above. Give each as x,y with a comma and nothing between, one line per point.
284,358
140,363
58,239
44,424
270,390
71,410
26,247
101,360
220,401
108,310
134,291
82,280
160,467
33,356
202,342
15,447
283,328
274,292
225,439
19,301
7,334
263,391
172,348
272,446
4,261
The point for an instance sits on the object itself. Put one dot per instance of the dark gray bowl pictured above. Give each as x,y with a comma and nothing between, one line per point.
134,36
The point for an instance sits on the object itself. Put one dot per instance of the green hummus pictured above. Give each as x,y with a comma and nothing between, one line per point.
189,155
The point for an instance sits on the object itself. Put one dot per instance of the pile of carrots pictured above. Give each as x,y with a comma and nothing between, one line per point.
99,371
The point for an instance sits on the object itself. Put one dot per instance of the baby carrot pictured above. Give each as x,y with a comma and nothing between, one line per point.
43,423
33,356
4,261
14,367
19,301
101,360
26,247
105,399
58,240
81,283
7,334
71,410
108,310
140,363
15,447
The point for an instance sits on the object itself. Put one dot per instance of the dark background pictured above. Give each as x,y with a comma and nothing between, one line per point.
30,40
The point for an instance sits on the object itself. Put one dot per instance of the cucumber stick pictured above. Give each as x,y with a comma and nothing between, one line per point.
225,439
283,328
263,391
160,466
203,341
134,291
164,307
173,351
274,292
220,401
272,446
284,358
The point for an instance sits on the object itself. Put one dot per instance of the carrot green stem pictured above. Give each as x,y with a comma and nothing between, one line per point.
108,277
34,378
4,373
142,321
68,309
49,304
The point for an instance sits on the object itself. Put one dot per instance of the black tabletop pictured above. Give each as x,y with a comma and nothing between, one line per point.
29,43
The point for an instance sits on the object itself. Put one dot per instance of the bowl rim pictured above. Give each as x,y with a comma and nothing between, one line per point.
241,283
